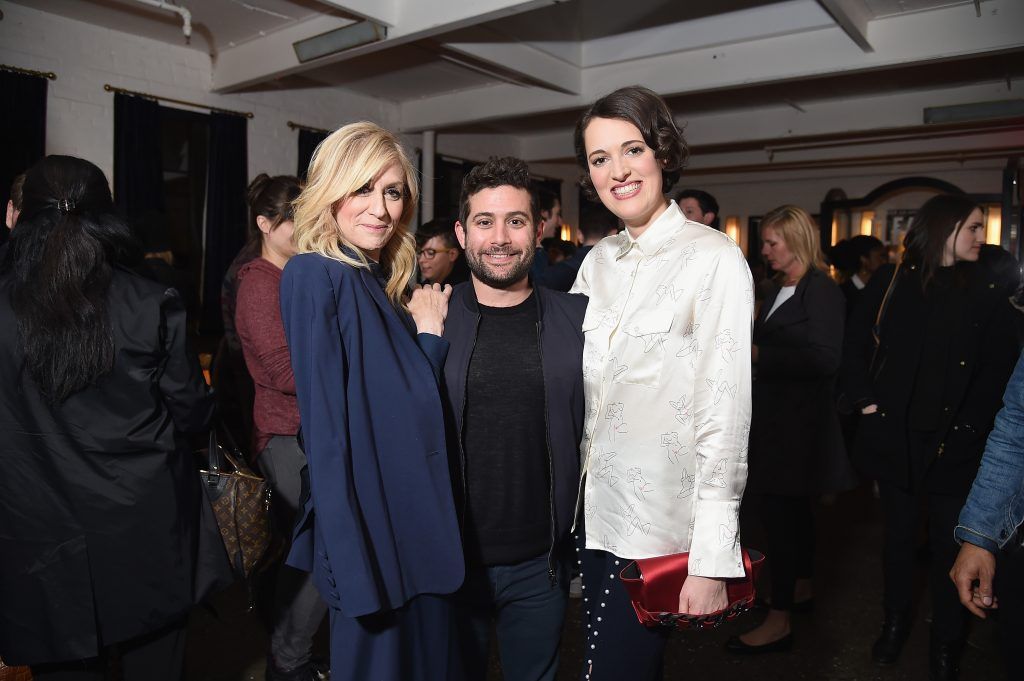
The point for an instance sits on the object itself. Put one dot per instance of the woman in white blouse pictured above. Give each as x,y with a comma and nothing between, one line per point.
667,380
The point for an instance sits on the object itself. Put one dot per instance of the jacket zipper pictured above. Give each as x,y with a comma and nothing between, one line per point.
462,428
552,577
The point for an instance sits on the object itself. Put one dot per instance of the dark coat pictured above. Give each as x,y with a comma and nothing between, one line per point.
379,527
796,444
99,500
560,329
982,353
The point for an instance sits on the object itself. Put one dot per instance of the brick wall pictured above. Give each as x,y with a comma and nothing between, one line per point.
80,114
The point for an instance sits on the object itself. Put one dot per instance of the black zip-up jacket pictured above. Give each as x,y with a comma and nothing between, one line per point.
560,335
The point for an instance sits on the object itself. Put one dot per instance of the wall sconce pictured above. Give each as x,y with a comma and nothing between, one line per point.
835,230
732,228
867,222
566,233
994,224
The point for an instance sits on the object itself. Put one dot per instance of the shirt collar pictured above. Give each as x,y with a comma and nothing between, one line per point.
656,236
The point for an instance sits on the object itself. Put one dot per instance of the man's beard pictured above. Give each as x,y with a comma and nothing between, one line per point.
519,270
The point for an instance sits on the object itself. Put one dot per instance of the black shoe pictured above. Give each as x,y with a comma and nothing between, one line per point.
803,607
895,630
311,671
943,661
736,645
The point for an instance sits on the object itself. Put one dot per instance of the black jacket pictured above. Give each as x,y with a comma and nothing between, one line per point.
796,445
560,330
99,497
982,353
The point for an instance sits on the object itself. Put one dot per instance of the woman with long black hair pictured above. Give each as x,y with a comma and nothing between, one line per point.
928,351
100,498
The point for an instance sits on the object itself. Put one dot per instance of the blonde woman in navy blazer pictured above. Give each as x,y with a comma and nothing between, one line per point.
379,529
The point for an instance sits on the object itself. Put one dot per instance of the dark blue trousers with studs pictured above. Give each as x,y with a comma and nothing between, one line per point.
615,645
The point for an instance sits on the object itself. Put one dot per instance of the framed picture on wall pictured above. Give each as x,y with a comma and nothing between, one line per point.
897,222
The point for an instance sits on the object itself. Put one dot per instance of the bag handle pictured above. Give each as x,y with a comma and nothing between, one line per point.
876,330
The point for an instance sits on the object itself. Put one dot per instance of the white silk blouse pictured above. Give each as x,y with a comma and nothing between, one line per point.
666,366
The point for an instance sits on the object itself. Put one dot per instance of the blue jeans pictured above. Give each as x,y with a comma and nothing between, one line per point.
529,611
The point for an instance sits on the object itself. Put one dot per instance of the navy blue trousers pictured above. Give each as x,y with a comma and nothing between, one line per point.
414,643
615,645
528,611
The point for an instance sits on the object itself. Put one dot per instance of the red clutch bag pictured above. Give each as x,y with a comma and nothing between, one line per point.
653,585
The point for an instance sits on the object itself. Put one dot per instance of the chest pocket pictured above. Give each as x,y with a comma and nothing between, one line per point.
643,341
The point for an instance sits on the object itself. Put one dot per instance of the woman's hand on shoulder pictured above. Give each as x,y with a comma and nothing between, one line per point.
702,595
429,307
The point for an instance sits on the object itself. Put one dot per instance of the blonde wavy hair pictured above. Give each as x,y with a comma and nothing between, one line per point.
351,157
797,228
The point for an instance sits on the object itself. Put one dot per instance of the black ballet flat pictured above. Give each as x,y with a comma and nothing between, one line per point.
737,646
803,607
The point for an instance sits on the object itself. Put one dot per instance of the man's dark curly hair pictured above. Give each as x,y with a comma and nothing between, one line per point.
648,112
505,171
443,227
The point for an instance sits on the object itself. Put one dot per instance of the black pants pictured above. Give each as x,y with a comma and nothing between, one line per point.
1009,588
789,531
900,510
158,656
615,645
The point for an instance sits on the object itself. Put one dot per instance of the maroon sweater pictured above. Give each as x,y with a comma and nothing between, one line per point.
261,332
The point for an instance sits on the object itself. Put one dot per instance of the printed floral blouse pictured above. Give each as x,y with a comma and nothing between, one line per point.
666,366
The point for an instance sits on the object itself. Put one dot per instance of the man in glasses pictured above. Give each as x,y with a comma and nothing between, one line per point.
438,253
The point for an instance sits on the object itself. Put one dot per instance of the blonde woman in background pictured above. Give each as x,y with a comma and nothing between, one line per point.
378,529
796,444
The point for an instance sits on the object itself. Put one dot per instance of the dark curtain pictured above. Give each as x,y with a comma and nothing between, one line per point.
23,126
226,210
308,141
138,162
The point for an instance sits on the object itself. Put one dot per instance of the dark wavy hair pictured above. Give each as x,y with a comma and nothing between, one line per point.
504,171
443,227
645,109
925,241
60,262
269,197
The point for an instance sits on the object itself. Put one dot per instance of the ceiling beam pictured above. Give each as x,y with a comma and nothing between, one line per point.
525,62
898,40
852,16
860,122
381,11
273,56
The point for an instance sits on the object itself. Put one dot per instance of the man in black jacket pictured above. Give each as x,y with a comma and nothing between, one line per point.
515,401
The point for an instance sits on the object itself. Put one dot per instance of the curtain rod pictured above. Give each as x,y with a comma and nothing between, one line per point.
50,75
299,126
110,88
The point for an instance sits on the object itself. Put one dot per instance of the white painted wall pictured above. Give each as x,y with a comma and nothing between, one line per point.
80,114
745,195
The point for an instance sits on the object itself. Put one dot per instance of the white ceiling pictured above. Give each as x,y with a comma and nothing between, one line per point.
527,67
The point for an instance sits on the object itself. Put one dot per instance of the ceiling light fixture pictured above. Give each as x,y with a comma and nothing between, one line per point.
339,40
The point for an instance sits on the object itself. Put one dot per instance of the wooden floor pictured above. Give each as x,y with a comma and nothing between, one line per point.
832,644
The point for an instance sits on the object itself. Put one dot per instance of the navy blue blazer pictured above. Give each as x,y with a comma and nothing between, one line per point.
379,527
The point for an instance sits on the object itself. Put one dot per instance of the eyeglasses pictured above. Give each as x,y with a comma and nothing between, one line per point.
429,253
